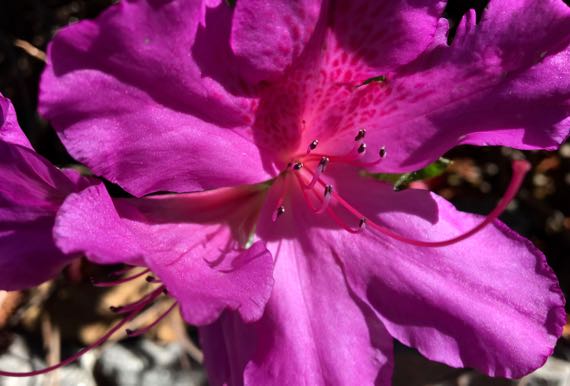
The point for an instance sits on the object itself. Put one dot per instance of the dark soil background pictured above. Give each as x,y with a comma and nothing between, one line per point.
475,182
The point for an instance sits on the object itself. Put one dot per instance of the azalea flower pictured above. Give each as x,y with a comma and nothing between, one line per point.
31,192
265,121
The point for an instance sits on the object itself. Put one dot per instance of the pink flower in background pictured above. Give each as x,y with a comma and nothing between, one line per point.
190,96
31,192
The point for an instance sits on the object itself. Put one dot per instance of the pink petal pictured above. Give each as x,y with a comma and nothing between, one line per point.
489,302
148,114
313,329
502,82
188,249
31,191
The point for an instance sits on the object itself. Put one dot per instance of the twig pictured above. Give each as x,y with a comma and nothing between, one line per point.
30,49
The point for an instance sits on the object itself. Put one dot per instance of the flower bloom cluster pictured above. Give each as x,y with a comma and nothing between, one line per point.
247,135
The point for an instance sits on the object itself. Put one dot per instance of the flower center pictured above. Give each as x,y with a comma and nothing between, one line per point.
308,171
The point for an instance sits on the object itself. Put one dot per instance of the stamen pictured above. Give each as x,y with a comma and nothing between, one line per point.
520,168
86,349
362,148
120,281
362,223
323,163
144,301
279,208
298,165
326,199
361,134
341,223
144,330
382,153
312,146
278,213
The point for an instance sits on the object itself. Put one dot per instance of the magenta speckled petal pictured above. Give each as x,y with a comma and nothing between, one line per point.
502,82
132,96
370,38
471,304
267,36
314,99
31,191
199,265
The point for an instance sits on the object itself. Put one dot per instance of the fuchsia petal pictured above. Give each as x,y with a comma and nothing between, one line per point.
313,328
149,115
31,191
502,82
28,255
227,345
9,129
489,302
269,35
358,40
370,38
193,256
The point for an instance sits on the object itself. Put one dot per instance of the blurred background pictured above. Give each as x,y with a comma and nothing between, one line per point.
43,325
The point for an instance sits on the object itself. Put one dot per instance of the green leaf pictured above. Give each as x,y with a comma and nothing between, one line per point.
403,180
377,79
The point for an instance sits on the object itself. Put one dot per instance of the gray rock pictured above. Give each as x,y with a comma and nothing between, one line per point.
145,363
18,358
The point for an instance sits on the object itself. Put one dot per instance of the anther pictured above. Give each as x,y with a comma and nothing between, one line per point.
313,145
298,166
323,163
326,199
361,134
382,153
150,279
280,211
362,148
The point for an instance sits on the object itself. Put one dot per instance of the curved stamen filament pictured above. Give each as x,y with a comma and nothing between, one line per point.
321,167
352,157
145,300
336,218
520,168
84,350
325,200
144,330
